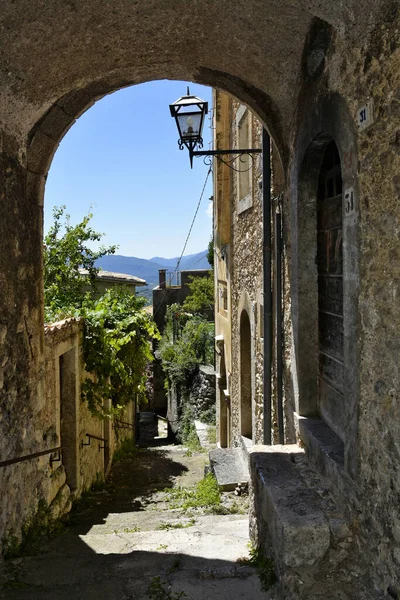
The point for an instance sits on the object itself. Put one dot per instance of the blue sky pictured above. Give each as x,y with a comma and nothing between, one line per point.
121,161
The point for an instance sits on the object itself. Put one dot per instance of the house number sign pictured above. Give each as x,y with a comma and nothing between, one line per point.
365,115
349,201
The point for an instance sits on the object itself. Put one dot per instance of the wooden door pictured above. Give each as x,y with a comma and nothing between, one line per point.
330,291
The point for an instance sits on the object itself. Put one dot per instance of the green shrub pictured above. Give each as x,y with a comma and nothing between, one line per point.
187,342
117,332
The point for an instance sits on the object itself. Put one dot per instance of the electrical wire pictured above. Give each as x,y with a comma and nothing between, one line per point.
186,241
194,218
196,261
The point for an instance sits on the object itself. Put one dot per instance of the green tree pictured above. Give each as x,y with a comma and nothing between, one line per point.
201,298
67,250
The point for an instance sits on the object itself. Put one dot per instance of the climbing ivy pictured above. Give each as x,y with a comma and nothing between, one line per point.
117,334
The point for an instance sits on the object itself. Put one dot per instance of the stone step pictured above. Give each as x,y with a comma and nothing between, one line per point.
202,431
296,518
150,521
229,467
203,556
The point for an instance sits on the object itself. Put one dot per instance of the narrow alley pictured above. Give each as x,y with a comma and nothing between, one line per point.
149,533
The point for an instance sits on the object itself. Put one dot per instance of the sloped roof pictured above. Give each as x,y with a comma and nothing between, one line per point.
116,277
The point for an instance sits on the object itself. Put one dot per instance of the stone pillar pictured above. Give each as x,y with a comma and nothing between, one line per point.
21,331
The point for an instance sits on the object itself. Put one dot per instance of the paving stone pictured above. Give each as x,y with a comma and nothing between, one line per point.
229,467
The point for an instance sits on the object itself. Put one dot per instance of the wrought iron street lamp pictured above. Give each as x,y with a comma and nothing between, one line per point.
189,112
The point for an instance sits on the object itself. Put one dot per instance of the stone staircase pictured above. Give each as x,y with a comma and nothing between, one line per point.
124,542
113,561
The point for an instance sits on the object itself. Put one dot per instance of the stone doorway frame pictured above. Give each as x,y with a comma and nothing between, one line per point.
330,120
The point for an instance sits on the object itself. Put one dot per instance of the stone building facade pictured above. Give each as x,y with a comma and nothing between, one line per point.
339,272
314,72
105,280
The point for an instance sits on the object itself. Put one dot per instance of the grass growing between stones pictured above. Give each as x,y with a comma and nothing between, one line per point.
212,434
134,529
167,525
38,526
232,509
126,448
205,494
264,566
159,590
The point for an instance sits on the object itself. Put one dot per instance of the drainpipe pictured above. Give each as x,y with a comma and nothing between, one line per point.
267,284
279,328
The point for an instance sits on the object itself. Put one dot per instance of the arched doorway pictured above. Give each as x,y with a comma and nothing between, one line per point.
330,290
224,404
246,429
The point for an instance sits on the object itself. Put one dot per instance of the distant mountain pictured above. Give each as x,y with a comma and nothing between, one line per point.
191,261
148,269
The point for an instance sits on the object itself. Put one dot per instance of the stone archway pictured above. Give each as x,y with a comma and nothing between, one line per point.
24,184
59,58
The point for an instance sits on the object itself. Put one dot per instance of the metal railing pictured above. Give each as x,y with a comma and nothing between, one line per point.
173,279
94,437
122,425
13,461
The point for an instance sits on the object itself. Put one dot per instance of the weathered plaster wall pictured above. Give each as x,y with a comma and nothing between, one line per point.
222,266
61,419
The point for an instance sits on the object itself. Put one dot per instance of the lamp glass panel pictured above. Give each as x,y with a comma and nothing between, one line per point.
189,125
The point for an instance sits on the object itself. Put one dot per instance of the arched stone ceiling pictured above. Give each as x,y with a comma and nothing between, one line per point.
50,48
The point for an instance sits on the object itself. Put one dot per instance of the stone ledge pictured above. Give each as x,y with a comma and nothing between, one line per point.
326,450
296,527
322,439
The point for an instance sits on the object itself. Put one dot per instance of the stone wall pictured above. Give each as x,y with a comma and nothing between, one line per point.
360,466
372,71
240,265
363,475
201,396
202,392
63,420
